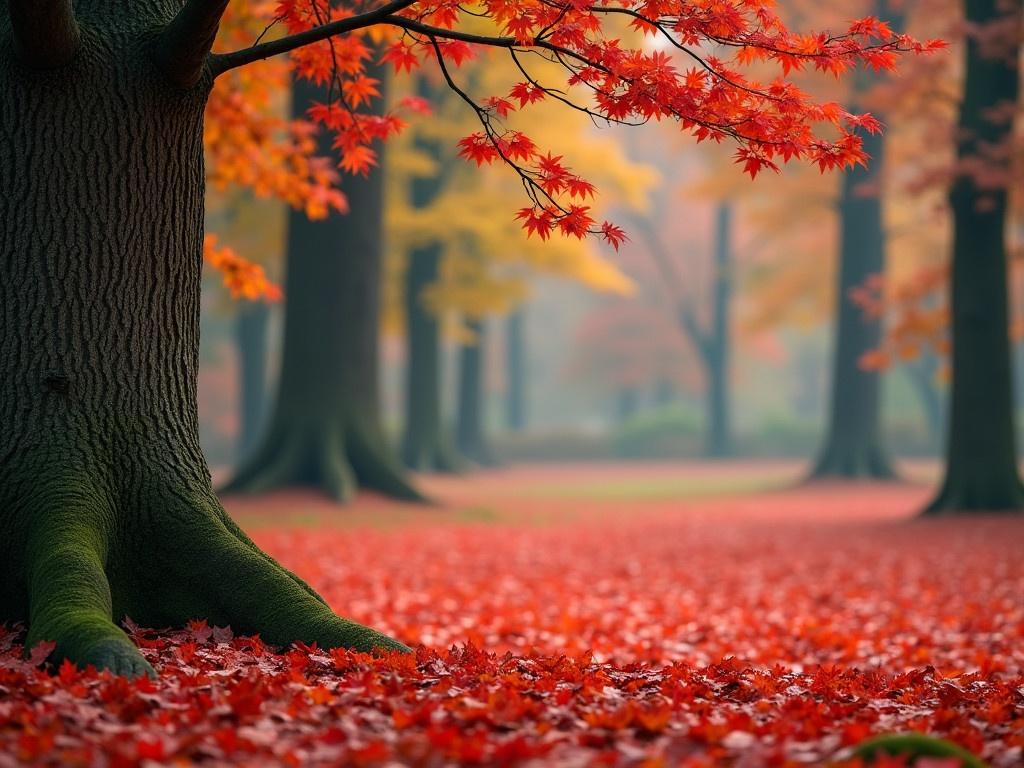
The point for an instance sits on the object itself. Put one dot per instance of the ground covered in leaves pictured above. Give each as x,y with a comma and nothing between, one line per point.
573,617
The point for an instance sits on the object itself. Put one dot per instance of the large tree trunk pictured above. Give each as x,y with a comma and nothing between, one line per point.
469,427
981,453
515,371
718,440
106,506
251,339
326,431
853,444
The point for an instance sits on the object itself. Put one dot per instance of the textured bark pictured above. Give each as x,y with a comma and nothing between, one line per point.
853,445
469,428
106,506
981,454
425,443
515,371
251,331
326,431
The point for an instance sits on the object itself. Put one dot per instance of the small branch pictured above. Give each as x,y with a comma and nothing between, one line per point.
45,32
221,63
183,47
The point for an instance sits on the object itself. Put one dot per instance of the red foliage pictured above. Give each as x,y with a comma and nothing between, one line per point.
721,637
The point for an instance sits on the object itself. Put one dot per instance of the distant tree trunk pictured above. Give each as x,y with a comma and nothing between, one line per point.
664,393
425,444
981,454
251,331
922,374
515,370
626,404
853,444
718,440
469,429
325,432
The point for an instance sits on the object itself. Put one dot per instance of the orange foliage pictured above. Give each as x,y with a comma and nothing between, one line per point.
242,278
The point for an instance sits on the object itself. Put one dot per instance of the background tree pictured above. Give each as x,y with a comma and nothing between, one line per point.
325,432
107,499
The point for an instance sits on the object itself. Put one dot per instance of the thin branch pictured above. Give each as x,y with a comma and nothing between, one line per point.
181,50
45,32
221,63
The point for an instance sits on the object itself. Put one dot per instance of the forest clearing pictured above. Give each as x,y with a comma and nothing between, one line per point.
560,622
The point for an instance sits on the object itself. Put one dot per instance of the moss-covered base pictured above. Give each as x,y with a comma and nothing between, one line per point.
337,462
912,746
89,563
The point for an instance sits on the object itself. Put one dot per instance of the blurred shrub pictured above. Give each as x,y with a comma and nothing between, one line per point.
673,431
561,445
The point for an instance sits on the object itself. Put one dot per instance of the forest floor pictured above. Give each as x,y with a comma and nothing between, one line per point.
644,614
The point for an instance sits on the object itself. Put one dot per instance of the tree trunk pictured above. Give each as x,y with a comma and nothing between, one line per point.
251,330
718,442
515,370
627,404
326,431
425,444
853,444
469,429
106,506
922,374
981,453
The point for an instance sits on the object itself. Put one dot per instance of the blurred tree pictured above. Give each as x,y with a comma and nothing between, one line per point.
325,432
981,453
470,438
711,337
516,372
103,168
853,439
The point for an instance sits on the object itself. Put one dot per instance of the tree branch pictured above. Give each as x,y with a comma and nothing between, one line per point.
45,32
183,47
221,63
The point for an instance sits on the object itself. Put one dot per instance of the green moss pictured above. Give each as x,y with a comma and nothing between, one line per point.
914,746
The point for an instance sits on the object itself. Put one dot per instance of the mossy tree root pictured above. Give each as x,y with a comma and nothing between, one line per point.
179,557
913,746
337,462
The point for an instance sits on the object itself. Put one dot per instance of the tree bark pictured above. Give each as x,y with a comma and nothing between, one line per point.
425,443
981,472
515,370
106,505
326,430
469,429
718,441
251,339
853,444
